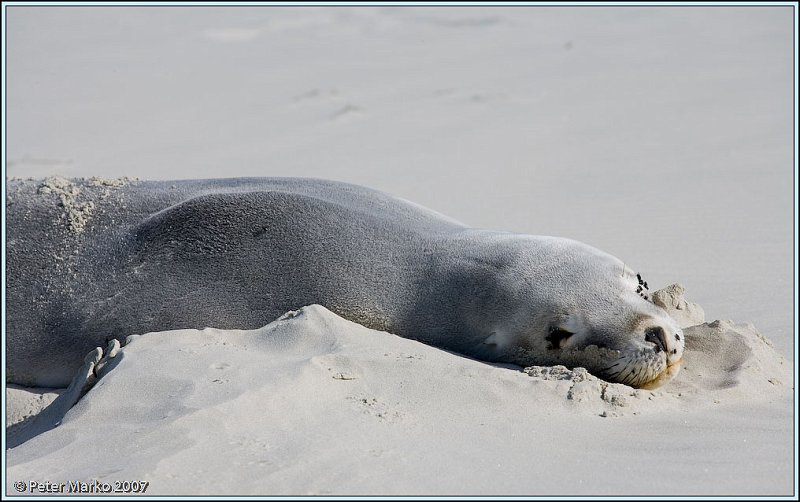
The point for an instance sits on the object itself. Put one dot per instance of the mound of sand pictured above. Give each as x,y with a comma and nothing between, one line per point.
315,404
23,403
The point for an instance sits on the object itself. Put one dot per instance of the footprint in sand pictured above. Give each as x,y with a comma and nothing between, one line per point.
347,111
469,96
316,94
327,98
462,22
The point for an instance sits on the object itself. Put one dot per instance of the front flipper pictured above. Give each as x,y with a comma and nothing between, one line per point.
101,368
95,365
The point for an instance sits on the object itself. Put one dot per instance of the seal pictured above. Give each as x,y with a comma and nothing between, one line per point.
91,260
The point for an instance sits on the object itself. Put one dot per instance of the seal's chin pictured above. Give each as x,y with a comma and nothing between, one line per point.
665,376
641,369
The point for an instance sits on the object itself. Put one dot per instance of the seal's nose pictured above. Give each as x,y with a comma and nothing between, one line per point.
657,336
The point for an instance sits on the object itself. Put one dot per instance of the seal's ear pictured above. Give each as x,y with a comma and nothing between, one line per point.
556,336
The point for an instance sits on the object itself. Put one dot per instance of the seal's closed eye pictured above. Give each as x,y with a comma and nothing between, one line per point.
556,336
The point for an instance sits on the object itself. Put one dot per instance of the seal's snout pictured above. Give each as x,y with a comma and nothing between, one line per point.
658,337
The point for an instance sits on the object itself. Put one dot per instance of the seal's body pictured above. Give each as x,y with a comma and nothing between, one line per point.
89,260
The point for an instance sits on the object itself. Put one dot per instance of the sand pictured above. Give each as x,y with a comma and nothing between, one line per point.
662,135
313,404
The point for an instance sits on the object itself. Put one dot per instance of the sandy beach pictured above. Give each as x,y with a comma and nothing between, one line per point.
313,404
662,135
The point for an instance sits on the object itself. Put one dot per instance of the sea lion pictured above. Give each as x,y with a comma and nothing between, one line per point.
90,260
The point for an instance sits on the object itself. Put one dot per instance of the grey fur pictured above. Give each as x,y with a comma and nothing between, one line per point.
238,253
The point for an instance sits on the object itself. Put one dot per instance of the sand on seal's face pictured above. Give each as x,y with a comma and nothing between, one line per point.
313,403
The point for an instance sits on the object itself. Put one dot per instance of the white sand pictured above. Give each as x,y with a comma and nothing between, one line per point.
315,404
660,135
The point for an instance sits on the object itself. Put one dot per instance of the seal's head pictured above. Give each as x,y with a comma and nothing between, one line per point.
575,305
